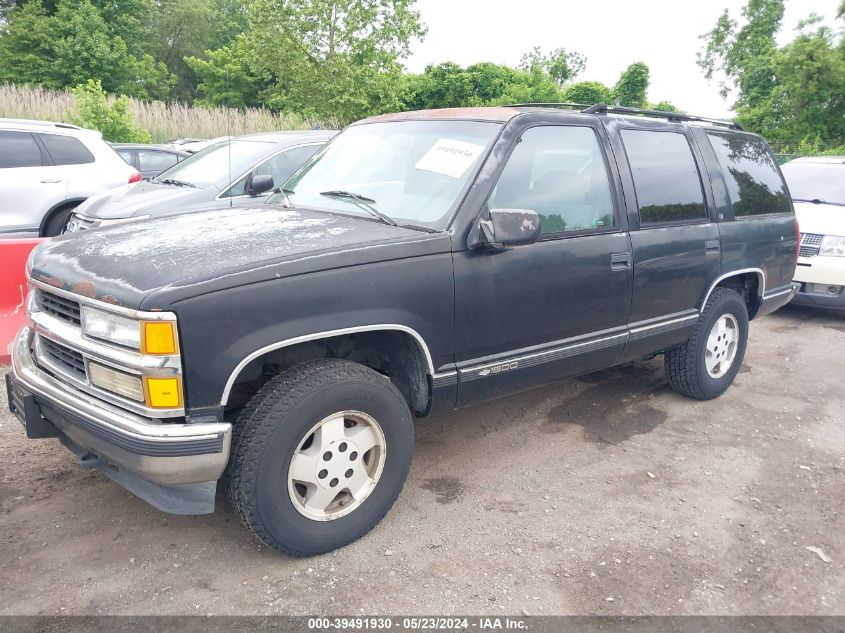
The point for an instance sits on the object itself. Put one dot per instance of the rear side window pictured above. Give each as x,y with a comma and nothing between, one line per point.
18,149
156,161
66,150
125,154
559,172
754,186
666,178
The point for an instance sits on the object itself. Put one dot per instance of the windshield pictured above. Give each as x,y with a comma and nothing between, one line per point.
410,171
816,181
220,161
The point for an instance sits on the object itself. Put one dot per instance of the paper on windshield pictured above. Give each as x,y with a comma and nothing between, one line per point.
450,157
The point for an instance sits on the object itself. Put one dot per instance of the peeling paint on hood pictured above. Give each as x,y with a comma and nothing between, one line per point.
125,263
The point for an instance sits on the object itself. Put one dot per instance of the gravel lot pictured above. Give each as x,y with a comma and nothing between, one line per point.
607,494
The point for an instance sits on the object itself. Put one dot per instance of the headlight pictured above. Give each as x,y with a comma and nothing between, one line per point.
118,382
833,246
111,327
115,221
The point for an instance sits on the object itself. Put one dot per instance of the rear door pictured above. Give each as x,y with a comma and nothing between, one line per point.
74,163
29,183
674,235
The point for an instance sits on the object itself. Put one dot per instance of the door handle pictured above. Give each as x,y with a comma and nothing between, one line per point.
51,181
620,261
712,247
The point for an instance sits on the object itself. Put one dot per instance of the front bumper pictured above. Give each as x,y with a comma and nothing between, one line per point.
816,275
162,453
807,296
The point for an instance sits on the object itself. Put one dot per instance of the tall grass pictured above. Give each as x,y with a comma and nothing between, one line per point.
164,121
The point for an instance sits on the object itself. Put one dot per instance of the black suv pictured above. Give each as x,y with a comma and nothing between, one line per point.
420,262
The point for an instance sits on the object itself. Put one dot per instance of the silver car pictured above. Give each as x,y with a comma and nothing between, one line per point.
231,173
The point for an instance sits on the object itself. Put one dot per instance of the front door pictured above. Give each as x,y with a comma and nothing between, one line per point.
528,315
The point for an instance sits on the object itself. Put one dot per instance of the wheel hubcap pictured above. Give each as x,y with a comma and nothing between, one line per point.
337,465
721,347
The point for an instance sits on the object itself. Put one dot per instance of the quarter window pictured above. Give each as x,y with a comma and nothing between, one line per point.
18,149
559,172
66,150
754,185
666,179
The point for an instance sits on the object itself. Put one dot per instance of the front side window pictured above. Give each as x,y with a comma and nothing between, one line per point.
281,167
754,186
666,179
559,172
410,171
216,162
18,149
66,150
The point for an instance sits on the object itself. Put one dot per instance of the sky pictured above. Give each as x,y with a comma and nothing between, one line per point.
611,33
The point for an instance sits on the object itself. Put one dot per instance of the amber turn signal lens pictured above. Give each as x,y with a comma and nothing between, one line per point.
159,337
163,393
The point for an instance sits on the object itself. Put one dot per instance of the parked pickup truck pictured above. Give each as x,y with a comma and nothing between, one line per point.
420,262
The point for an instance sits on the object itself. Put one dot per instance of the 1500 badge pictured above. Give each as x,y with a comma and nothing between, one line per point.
498,369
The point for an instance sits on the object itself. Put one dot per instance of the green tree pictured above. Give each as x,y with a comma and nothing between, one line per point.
561,65
793,93
631,89
27,42
185,29
76,42
588,93
325,58
94,110
744,55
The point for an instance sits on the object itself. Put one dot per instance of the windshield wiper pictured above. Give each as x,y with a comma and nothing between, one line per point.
178,183
362,201
818,201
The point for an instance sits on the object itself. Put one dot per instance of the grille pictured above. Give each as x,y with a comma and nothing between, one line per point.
810,244
59,307
68,359
80,223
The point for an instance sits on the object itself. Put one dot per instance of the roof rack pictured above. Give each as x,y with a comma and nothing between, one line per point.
603,108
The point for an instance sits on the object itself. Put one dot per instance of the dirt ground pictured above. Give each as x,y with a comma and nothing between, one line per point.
607,494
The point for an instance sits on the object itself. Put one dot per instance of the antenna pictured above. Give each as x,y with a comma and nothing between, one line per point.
229,138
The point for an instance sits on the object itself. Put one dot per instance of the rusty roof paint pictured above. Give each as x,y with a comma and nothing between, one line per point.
494,113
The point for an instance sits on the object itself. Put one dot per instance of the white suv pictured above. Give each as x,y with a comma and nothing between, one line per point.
47,169
817,186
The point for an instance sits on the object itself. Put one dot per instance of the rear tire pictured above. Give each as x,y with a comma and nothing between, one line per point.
705,365
319,455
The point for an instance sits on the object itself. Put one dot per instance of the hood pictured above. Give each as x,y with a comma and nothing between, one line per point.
129,200
824,219
186,255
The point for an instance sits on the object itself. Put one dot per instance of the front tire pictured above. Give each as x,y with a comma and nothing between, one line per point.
319,455
705,365
57,222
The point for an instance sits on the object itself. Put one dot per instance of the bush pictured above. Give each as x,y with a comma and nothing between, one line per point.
94,110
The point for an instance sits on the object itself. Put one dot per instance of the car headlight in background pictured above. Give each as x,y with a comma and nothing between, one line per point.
111,327
115,221
833,246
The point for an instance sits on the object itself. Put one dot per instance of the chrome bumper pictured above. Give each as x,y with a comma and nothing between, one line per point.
159,452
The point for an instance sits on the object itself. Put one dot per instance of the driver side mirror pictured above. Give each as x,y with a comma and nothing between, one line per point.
258,185
506,227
